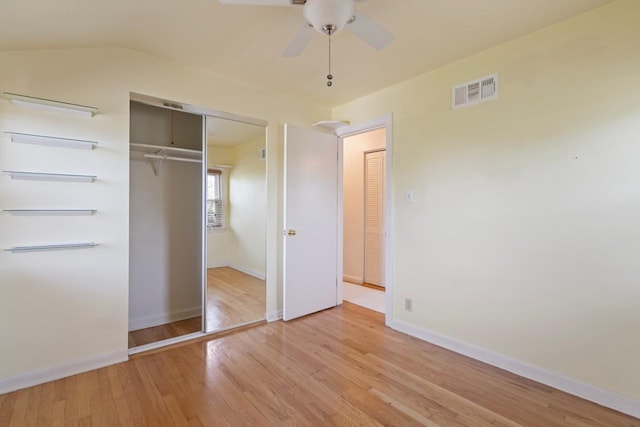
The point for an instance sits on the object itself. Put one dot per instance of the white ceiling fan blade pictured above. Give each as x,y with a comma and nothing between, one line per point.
258,2
299,42
372,33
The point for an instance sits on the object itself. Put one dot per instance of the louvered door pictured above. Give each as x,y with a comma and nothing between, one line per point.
374,168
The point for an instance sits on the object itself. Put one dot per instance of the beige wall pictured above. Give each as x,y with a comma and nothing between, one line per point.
242,243
247,198
72,305
218,239
165,270
220,156
353,200
523,237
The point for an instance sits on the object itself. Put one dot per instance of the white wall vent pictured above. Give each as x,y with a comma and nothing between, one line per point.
474,92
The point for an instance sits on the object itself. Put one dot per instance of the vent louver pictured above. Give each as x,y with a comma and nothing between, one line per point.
474,92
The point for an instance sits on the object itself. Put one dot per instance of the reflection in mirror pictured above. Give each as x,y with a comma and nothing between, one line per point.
236,221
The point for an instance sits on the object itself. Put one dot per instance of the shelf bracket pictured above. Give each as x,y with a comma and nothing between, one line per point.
156,162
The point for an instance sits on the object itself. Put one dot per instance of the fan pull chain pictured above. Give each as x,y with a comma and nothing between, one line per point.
329,76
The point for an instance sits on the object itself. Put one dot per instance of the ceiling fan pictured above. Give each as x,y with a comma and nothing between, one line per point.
327,17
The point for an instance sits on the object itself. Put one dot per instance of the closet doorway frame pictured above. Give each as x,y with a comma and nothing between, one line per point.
204,112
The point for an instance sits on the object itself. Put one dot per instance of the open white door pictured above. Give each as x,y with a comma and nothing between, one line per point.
310,221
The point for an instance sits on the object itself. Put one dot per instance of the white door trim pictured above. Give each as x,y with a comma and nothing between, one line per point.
386,122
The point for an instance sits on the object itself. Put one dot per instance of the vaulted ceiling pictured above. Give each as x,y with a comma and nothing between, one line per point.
246,42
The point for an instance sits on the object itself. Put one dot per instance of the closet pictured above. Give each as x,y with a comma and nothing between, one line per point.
197,222
165,226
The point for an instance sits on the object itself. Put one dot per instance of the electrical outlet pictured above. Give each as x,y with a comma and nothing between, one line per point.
408,304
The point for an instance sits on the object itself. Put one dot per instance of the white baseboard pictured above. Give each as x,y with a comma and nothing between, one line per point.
167,342
164,318
218,265
257,274
352,279
594,394
272,316
29,379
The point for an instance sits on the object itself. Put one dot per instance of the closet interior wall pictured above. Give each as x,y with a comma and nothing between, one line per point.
166,224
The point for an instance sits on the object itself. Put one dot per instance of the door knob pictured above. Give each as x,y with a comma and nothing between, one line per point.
291,232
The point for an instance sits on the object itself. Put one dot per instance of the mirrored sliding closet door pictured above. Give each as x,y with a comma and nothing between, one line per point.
235,223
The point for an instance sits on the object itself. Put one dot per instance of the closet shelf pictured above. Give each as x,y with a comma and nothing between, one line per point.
50,212
56,247
50,104
52,141
40,176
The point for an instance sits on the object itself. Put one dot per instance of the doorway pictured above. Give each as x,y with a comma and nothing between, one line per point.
364,207
313,217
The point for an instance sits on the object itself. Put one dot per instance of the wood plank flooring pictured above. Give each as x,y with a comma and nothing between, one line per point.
233,298
163,332
338,367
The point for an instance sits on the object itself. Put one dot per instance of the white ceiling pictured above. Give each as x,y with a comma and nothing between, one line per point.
229,133
246,42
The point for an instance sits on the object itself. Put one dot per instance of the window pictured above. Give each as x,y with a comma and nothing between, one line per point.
215,213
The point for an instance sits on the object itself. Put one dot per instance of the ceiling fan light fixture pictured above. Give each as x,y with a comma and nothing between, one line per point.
328,16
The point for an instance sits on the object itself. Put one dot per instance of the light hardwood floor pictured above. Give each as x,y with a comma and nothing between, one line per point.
338,367
163,332
233,298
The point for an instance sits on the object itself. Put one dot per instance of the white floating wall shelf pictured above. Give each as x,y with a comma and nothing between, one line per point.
39,176
56,247
26,138
50,212
49,104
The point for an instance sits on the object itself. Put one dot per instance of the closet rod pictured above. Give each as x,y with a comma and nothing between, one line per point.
165,157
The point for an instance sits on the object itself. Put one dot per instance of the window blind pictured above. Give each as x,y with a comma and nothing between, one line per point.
215,201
